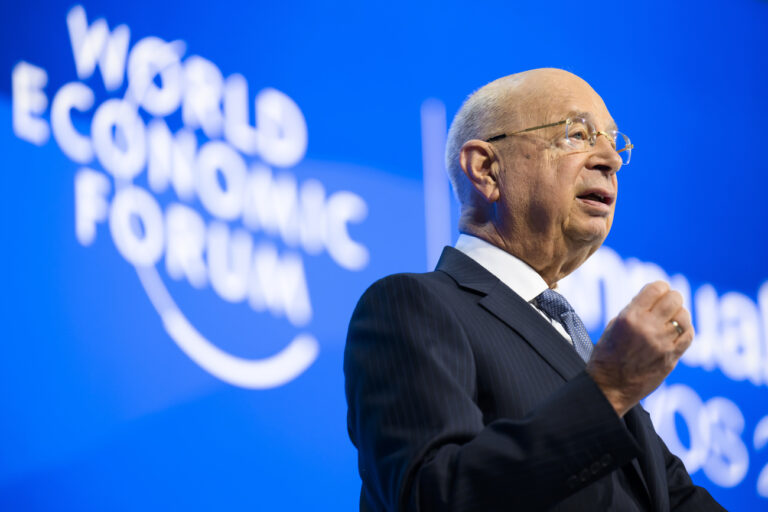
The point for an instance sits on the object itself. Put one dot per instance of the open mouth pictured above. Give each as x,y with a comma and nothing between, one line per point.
596,197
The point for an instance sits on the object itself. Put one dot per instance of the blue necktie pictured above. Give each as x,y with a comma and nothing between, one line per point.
555,305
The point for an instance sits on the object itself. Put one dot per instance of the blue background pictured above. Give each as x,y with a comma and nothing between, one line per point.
100,410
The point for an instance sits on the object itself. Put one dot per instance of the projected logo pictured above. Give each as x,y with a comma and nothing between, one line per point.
218,167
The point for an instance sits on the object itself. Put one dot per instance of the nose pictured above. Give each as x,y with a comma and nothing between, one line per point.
604,158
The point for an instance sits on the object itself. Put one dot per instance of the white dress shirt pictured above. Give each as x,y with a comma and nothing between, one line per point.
510,270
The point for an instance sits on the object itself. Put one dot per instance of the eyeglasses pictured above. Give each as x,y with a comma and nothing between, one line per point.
581,135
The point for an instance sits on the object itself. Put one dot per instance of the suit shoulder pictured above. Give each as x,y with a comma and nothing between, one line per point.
405,284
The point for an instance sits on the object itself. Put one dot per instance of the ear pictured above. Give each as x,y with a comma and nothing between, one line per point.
480,162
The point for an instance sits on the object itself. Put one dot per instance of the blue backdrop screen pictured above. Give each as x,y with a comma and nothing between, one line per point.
195,195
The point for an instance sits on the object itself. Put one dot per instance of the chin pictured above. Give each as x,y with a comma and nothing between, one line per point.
591,238
590,233
598,231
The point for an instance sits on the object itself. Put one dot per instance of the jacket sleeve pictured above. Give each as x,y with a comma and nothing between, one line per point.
410,379
684,496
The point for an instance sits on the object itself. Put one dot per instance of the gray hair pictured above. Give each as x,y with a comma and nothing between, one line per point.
480,114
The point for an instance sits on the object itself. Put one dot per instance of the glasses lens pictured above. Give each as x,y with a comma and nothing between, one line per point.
578,133
623,147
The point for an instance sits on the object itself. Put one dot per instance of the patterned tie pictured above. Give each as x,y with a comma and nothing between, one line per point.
555,305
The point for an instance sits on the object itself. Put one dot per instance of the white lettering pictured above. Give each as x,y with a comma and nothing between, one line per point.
136,224
728,458
282,130
762,299
759,439
73,95
279,284
272,204
739,348
202,96
119,139
229,261
218,161
149,58
91,189
237,127
607,269
29,101
171,159
185,243
702,350
95,44
345,207
314,220
680,283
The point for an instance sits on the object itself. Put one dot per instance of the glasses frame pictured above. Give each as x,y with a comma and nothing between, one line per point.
569,121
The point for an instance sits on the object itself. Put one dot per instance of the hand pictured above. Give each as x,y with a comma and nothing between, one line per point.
641,346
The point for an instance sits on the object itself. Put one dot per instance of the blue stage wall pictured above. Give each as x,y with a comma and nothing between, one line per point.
195,195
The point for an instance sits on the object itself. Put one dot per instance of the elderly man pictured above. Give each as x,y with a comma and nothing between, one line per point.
476,387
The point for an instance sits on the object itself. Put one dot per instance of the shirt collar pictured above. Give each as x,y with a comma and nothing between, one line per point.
510,270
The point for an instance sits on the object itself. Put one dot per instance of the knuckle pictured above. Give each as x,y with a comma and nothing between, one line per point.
632,320
626,315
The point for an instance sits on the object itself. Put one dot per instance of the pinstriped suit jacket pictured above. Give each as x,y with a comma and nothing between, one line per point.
462,397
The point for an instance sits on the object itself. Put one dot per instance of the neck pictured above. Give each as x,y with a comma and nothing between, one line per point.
553,258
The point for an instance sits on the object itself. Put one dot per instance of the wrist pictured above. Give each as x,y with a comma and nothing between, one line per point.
618,400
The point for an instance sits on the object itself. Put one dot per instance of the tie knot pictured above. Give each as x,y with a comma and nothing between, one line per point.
553,304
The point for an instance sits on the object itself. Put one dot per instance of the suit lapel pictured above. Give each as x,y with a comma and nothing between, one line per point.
511,309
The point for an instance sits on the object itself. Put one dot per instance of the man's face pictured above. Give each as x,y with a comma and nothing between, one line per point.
559,197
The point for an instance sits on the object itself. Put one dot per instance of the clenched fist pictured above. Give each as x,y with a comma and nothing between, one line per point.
641,346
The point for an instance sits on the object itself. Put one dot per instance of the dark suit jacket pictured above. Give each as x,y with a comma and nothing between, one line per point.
462,397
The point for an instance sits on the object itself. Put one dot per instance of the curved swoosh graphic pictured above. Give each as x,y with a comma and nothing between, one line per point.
264,373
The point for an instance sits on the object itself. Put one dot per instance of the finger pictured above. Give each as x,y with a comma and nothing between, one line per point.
674,329
683,318
650,293
682,342
684,325
667,306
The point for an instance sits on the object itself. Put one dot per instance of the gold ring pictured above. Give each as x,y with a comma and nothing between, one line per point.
677,327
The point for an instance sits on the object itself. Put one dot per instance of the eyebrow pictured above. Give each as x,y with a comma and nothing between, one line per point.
588,115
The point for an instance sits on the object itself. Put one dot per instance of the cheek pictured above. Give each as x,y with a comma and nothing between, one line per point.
609,219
